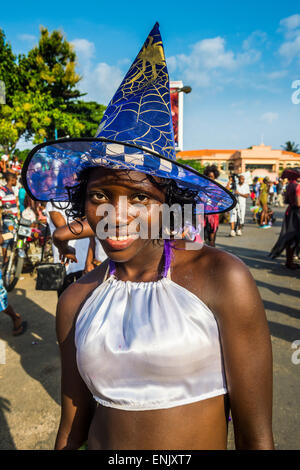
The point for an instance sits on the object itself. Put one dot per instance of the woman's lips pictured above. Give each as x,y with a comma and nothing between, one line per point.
122,242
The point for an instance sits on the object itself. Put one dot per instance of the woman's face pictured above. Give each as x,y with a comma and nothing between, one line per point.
211,175
118,203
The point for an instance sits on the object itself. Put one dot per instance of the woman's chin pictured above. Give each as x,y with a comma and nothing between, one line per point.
121,251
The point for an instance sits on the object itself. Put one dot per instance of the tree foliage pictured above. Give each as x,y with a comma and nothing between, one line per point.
8,68
50,67
21,154
193,163
89,113
291,147
42,100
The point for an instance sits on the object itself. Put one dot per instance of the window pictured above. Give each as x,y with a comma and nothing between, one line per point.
255,166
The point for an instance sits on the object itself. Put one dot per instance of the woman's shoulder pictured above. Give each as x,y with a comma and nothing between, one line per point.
72,299
218,261
229,281
220,276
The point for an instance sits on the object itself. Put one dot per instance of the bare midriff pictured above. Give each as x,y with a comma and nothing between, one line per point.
199,425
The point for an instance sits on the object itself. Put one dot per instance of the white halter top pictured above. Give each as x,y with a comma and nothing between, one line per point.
148,345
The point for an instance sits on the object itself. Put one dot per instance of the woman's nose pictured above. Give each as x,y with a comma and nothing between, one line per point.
122,211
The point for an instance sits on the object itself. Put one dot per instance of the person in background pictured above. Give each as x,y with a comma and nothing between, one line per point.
256,188
19,326
275,193
3,164
211,222
21,197
77,231
263,201
280,193
95,255
15,165
9,209
271,192
75,265
237,216
289,238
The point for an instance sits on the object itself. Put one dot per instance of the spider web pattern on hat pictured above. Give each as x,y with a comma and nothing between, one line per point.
140,111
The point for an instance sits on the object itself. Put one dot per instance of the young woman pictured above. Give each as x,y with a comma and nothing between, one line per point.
162,340
150,349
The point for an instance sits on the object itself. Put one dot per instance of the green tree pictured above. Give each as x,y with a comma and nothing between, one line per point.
21,154
8,69
193,163
89,114
50,67
9,133
49,70
291,147
43,100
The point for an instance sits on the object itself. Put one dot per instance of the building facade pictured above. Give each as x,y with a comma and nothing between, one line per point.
258,157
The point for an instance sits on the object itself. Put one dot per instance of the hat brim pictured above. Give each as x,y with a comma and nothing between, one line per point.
53,167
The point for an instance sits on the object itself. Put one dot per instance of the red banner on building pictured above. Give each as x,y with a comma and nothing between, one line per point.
177,112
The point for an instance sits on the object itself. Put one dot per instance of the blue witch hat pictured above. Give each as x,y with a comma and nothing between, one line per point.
135,133
140,111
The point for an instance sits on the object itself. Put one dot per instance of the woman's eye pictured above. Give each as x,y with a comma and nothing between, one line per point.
140,197
97,197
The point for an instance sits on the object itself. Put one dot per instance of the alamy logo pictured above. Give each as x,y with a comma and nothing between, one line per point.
156,221
2,352
296,94
296,354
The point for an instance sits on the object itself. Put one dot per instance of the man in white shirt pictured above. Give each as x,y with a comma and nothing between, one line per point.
56,217
237,215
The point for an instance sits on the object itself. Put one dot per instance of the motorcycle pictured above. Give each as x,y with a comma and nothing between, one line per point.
30,245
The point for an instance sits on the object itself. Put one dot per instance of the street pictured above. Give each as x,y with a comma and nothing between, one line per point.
30,377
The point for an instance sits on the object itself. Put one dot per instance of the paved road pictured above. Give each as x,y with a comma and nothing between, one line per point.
29,381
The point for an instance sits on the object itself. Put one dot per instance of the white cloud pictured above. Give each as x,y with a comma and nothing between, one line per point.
254,40
107,79
277,74
269,117
291,22
100,81
27,37
290,27
84,49
209,62
210,54
291,49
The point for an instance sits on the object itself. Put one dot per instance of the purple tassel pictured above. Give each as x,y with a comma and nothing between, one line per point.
167,256
112,267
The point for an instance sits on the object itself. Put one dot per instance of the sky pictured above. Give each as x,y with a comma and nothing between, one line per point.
241,59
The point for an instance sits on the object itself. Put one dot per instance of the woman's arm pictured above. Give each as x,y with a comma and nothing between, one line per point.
247,351
89,266
79,230
63,234
77,404
298,195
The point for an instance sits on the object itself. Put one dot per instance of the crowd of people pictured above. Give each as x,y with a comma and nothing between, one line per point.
14,200
80,250
16,203
265,196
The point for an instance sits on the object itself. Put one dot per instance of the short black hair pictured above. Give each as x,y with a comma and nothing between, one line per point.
8,175
211,169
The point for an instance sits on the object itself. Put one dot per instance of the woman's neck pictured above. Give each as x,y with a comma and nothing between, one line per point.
147,265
